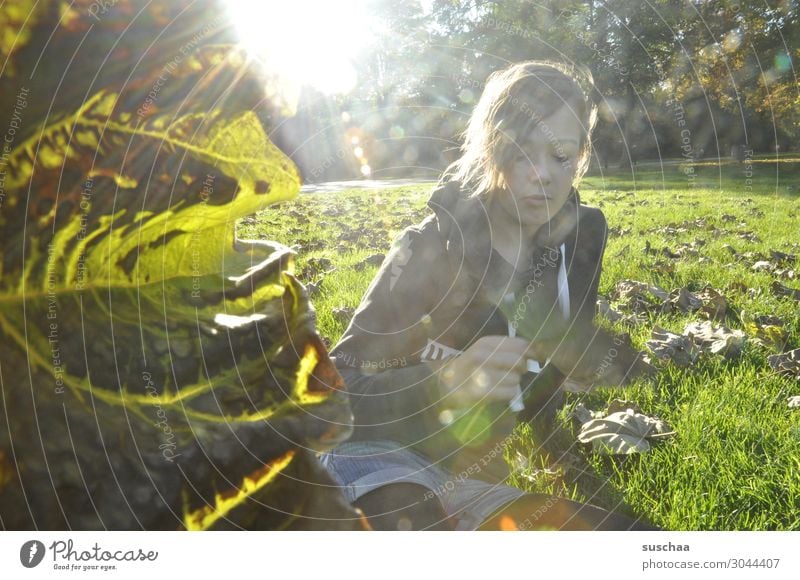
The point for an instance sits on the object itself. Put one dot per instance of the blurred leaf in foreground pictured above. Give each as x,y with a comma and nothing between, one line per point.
157,372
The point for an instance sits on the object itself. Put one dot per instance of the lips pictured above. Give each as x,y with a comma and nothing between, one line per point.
536,200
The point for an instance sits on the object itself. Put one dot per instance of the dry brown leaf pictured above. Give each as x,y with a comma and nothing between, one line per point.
779,289
749,236
663,267
683,300
618,231
622,432
715,339
752,257
737,286
769,335
787,363
639,296
373,260
583,415
768,319
765,330
709,302
343,314
762,266
674,347
782,258
607,312
715,305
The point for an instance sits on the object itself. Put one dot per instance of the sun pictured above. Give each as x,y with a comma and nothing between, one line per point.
308,42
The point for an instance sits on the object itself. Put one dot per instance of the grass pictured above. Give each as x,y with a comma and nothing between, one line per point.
734,463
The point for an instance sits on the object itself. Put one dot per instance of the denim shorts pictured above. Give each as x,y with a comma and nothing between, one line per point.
362,466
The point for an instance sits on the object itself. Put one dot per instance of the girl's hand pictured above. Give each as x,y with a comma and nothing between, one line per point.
489,370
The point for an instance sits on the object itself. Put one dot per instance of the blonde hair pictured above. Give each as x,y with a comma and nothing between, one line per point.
515,98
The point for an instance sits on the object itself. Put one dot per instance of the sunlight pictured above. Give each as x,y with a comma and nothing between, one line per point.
309,42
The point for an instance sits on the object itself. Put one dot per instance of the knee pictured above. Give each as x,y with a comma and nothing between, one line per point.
403,506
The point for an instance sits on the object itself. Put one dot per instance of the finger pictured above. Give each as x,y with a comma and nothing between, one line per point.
537,351
494,343
506,381
485,380
507,362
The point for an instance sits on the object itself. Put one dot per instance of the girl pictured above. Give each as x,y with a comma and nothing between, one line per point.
434,358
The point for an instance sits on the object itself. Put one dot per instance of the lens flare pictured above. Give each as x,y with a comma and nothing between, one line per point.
309,42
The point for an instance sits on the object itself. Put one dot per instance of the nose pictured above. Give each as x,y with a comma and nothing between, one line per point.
538,171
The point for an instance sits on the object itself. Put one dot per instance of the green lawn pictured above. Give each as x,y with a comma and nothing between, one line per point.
734,463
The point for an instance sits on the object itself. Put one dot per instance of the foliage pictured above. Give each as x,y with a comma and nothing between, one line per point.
677,78
157,372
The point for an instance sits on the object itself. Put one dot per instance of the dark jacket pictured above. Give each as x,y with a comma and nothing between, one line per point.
436,293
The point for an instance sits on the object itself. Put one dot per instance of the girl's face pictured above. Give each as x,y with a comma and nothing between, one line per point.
539,176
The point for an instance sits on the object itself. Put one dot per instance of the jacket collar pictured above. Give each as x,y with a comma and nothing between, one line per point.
462,218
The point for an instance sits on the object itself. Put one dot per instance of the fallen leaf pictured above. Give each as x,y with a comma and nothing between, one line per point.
769,335
607,312
618,231
670,230
583,415
737,286
674,347
683,300
749,236
639,296
782,258
663,267
343,314
779,289
768,319
623,252
622,432
715,339
373,260
762,266
715,305
351,236
314,267
787,363
752,257
313,288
